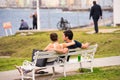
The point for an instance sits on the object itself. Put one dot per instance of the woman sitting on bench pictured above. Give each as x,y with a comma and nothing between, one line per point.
56,46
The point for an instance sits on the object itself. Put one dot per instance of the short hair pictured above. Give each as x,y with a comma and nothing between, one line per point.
94,2
69,34
22,20
54,36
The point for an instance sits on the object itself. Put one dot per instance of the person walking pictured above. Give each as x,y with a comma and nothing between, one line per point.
95,13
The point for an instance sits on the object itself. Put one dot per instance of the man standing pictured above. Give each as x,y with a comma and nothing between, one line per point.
34,16
95,13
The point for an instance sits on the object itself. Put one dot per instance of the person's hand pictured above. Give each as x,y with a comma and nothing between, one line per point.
87,44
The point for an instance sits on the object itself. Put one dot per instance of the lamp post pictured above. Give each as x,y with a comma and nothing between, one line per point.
38,16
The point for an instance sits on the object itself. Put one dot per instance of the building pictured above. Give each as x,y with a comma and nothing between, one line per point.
3,3
62,3
12,3
50,3
20,3
70,2
76,4
27,3
116,12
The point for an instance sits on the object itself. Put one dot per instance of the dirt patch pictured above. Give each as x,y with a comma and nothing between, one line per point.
103,31
4,56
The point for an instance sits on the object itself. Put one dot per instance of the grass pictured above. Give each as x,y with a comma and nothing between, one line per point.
20,47
8,63
105,73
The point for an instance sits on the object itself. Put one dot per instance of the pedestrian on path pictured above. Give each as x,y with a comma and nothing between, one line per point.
95,13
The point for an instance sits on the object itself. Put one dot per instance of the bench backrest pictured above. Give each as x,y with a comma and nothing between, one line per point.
89,52
91,48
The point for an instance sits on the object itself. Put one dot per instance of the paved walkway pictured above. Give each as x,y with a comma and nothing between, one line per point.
103,31
98,62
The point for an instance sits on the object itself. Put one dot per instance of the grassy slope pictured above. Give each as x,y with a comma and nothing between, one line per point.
21,46
106,73
8,63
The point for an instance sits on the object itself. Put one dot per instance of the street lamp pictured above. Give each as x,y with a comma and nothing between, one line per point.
38,16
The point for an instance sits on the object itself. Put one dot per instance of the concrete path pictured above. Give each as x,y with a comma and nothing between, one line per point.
98,62
103,31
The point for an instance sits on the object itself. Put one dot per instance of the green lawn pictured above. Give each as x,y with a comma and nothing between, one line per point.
20,47
8,63
105,73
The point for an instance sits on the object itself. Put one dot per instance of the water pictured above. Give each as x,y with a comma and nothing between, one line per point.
48,18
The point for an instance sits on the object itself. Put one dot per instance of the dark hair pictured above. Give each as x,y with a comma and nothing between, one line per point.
54,36
94,2
69,34
22,20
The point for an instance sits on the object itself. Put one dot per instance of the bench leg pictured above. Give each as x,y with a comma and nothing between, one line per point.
22,75
53,68
80,66
91,66
33,74
64,71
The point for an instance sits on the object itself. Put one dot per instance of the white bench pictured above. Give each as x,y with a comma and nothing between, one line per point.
87,55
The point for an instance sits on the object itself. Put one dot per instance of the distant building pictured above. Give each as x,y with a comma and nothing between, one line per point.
20,3
70,2
51,3
12,3
116,12
34,3
27,3
76,4
63,3
3,3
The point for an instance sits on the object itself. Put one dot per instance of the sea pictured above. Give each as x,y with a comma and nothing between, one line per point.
48,18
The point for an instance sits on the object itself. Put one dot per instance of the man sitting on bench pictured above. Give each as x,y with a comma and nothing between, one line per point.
68,38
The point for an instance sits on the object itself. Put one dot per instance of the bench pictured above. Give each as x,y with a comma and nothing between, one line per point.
87,55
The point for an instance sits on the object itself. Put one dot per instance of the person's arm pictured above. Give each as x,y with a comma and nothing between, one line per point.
85,45
68,44
58,49
61,51
48,47
100,12
91,12
31,16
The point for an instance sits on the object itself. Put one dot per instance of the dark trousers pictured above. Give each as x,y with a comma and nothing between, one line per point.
34,25
23,28
68,57
96,25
